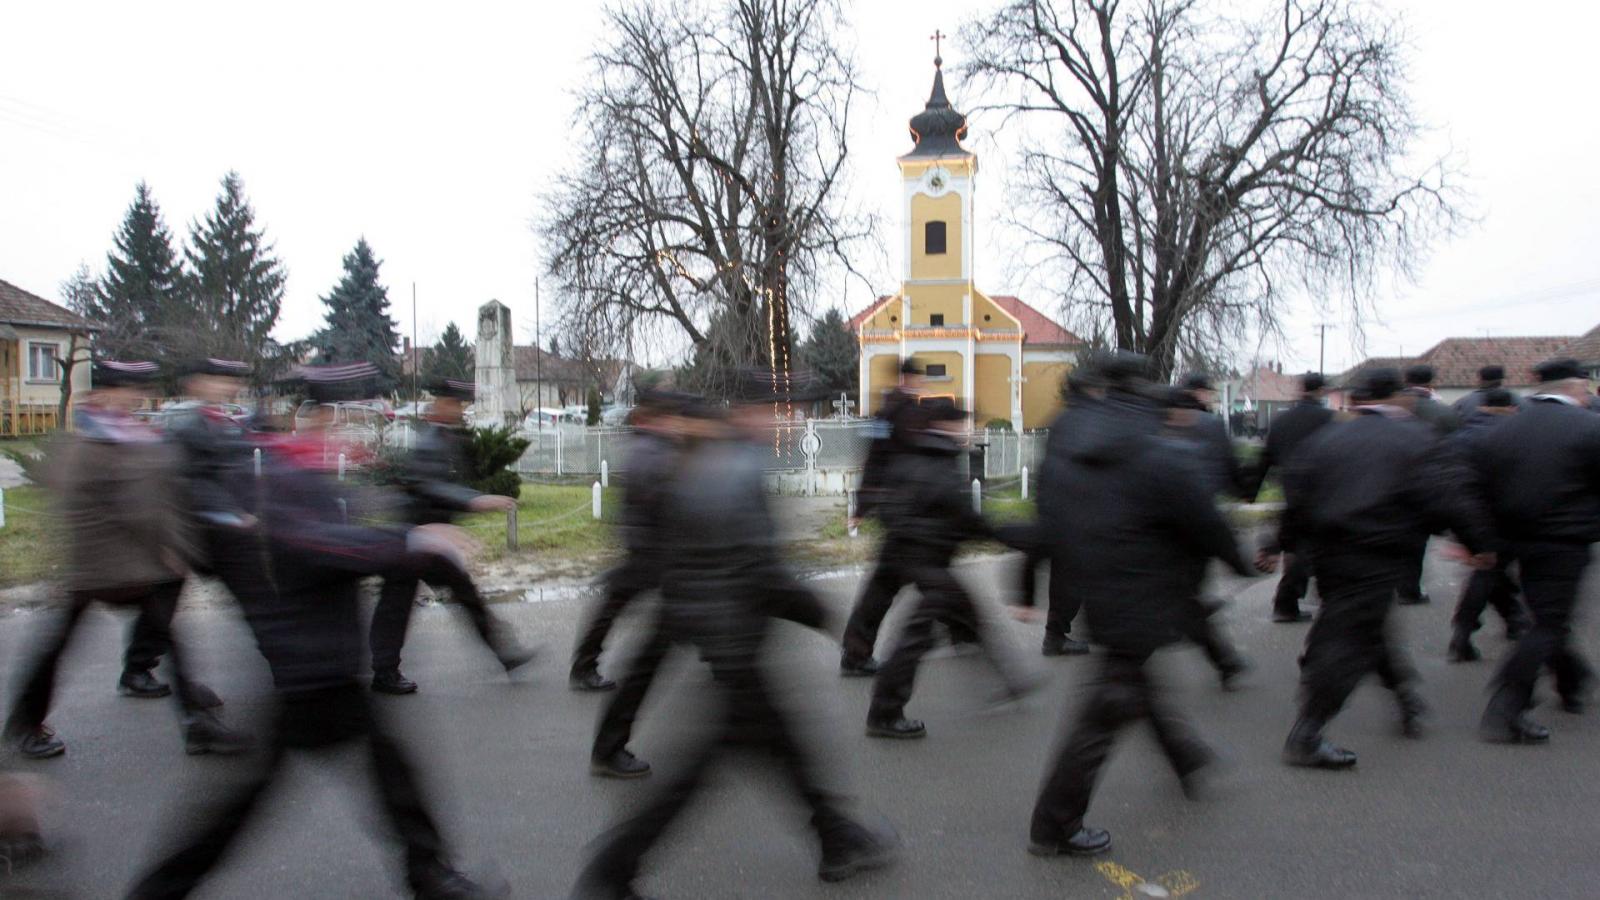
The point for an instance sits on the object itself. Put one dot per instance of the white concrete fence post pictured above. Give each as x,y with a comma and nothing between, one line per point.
596,502
850,512
605,473
1024,482
258,462
511,528
977,496
341,467
2,507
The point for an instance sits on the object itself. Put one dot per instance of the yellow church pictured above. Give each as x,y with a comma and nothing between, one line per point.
994,355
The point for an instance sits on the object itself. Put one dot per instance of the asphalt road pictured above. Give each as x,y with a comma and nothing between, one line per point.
1441,816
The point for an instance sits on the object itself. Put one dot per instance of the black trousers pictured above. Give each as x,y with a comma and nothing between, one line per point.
391,617
1351,635
1123,691
743,707
1294,584
38,676
306,720
636,575
1551,573
615,728
943,599
1486,588
1064,603
1408,582
1197,618
891,573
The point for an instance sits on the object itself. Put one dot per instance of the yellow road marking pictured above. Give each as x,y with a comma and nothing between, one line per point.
1135,887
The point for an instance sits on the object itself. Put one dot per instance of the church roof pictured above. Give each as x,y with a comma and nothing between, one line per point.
1038,329
938,129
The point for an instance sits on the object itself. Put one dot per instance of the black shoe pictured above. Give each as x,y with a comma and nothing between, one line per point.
1413,713
201,697
516,657
1415,599
1228,673
1086,842
1574,705
440,882
1461,649
620,764
856,667
140,683
591,680
390,681
1519,730
1065,645
1290,618
39,743
204,733
1307,747
868,851
898,727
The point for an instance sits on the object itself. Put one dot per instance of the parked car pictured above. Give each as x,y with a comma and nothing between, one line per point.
354,421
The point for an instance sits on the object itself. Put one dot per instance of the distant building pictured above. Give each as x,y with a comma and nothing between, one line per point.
1586,350
1456,362
34,334
1259,396
994,355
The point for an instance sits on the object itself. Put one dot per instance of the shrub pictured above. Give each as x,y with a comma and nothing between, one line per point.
490,453
998,425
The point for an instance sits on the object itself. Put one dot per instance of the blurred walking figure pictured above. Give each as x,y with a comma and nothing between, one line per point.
1134,525
1490,378
129,545
1427,409
1285,436
653,456
930,515
312,639
898,420
1541,471
430,479
1492,586
1190,422
719,599
1363,496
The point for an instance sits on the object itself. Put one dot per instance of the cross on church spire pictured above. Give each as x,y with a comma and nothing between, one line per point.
937,37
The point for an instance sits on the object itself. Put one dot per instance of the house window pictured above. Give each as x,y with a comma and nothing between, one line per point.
42,361
935,370
933,238
936,319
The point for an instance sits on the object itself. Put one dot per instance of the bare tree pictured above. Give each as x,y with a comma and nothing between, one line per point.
711,187
81,292
1187,169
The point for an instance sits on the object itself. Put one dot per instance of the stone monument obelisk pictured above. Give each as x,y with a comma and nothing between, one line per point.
496,374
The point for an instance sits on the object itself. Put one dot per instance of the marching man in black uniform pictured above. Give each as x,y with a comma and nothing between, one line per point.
130,545
311,637
1490,378
719,599
431,480
1287,433
1135,526
1541,471
1363,496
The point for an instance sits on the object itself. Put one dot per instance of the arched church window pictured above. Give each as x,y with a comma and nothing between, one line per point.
933,239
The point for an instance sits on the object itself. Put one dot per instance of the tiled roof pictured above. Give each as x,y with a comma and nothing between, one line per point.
18,307
1585,349
1267,385
1456,361
1037,328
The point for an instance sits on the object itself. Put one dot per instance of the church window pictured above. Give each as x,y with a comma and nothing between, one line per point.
933,240
935,370
936,319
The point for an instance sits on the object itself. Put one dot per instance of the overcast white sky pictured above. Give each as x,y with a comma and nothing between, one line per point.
430,128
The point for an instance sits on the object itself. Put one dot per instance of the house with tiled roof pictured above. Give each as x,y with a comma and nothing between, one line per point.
994,355
1456,362
34,335
1586,350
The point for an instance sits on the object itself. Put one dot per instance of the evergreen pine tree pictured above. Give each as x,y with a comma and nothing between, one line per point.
358,326
143,285
235,283
830,352
450,357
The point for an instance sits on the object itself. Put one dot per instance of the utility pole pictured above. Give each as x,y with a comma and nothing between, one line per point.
416,395
538,361
1322,348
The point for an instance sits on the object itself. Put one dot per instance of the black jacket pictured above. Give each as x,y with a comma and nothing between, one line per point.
1541,473
432,473
1208,437
650,462
1289,430
1133,523
1442,419
218,466
892,429
930,508
1378,485
1469,404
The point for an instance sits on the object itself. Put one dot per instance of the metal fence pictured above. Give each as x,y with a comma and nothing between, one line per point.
817,444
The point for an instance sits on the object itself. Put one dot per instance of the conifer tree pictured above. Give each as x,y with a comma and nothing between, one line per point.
832,355
143,284
450,356
235,283
358,327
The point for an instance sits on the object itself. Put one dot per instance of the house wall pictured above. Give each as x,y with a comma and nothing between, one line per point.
884,374
886,318
943,299
924,209
992,388
950,385
46,391
1041,393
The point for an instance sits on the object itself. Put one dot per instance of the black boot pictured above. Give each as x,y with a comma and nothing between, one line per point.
1506,722
860,850
203,733
621,764
37,743
140,683
1063,645
1229,671
390,681
857,666
1085,842
896,727
1413,712
1307,747
440,882
591,681
1420,598
1461,649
